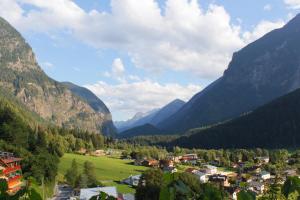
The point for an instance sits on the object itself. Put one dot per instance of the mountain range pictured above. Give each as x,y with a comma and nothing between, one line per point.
153,117
57,103
257,74
274,125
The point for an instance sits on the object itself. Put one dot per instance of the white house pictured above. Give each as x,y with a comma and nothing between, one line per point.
88,193
210,169
265,175
132,180
203,177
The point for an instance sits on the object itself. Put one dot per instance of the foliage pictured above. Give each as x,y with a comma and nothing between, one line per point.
150,185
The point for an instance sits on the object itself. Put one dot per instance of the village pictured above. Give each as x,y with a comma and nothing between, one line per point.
239,177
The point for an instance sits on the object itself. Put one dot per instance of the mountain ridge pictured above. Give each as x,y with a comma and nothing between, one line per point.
258,73
23,78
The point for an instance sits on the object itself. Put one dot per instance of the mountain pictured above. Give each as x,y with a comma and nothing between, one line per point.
167,111
274,125
153,117
143,130
108,127
260,72
22,77
138,119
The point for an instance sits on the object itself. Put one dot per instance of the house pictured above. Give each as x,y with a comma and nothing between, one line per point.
265,175
88,193
263,160
189,158
150,163
191,170
192,156
170,170
166,163
233,191
290,172
99,153
256,187
11,171
221,179
175,159
210,169
132,180
203,177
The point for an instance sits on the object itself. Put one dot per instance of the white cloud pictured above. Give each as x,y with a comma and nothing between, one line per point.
261,29
184,38
126,99
293,4
47,65
268,7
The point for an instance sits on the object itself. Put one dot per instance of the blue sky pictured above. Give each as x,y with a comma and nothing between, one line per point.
137,55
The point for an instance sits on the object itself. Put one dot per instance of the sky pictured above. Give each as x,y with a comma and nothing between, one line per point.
138,55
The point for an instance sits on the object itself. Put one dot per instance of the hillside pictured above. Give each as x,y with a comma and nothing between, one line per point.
22,78
274,125
260,72
108,127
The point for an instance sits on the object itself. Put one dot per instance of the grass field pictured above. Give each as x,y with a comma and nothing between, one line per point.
108,170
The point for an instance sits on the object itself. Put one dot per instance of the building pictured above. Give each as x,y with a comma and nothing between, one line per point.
263,160
88,193
150,163
189,158
220,179
265,175
166,163
10,170
132,180
99,153
256,187
203,177
210,169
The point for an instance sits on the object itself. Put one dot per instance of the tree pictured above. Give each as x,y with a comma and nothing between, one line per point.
3,189
72,174
150,185
82,181
291,185
244,195
89,171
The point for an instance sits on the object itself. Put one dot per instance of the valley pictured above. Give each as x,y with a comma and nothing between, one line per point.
113,133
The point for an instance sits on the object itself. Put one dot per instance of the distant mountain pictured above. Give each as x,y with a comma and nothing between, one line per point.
153,117
274,125
260,72
143,130
108,127
137,120
22,78
167,111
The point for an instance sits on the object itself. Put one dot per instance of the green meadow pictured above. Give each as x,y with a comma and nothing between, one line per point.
109,170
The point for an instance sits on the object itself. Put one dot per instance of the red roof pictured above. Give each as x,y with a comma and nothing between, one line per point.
10,160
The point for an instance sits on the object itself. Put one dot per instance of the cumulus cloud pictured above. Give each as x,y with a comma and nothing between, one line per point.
126,99
181,37
293,4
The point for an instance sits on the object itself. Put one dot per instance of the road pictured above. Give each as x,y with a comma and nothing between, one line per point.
63,193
